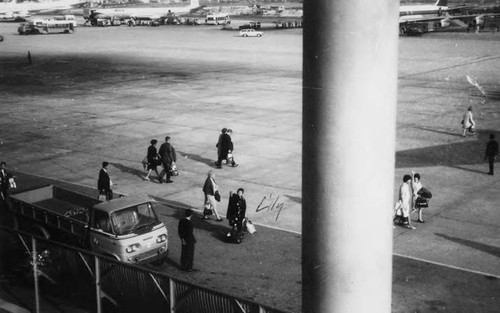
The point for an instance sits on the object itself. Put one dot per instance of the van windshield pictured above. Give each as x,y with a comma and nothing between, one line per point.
134,219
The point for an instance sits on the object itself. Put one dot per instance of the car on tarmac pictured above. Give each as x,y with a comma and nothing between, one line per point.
251,33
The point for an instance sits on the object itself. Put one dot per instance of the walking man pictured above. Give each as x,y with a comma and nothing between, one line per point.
188,240
104,183
491,153
168,156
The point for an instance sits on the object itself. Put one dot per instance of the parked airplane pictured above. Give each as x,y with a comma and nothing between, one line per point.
423,12
476,15
121,13
18,11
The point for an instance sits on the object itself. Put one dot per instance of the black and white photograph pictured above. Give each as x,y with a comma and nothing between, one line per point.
273,156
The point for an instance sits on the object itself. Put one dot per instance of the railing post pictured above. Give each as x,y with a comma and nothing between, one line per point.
172,295
98,284
35,273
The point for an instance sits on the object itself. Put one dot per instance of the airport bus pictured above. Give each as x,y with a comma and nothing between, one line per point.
40,26
218,19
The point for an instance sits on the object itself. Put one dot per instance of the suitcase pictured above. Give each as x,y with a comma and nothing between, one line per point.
235,236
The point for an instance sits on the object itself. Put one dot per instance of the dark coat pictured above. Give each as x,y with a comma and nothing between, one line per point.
491,148
167,154
224,145
103,183
153,159
185,230
208,187
236,209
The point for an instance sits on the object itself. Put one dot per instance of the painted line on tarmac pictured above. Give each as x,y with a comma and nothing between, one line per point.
448,266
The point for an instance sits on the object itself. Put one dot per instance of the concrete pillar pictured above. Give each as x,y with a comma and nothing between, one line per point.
349,121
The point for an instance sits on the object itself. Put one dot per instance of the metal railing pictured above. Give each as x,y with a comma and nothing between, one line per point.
99,284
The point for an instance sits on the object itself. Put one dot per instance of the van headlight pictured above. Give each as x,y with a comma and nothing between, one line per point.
132,248
161,238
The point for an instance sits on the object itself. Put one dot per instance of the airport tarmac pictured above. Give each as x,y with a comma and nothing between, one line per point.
103,93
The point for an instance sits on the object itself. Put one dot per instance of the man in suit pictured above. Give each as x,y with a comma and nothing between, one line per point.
491,153
168,156
185,230
104,182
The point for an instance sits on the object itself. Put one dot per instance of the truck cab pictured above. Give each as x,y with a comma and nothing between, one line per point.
127,229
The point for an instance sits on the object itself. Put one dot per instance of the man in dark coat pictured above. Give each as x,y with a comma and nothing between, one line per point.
188,240
491,153
104,182
168,156
223,147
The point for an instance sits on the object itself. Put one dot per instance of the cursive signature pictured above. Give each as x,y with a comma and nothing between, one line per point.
270,204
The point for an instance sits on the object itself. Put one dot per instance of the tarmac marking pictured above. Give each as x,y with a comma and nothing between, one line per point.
479,60
448,266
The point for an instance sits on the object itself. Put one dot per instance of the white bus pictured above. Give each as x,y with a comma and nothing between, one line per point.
218,19
41,26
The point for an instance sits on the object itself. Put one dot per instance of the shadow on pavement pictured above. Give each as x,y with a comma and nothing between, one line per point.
495,251
126,169
452,155
197,158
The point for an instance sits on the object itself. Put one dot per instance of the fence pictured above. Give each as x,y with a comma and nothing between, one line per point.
99,284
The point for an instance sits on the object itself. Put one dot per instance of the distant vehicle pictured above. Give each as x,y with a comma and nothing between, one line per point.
218,19
45,26
171,19
14,16
143,22
193,21
126,12
251,33
67,17
251,25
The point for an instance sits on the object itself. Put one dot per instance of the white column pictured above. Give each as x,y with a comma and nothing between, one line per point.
349,121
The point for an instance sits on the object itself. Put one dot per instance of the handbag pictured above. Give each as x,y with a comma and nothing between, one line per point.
250,226
421,202
206,210
157,160
173,170
145,163
12,183
217,196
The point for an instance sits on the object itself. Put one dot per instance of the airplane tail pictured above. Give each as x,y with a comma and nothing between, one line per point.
441,3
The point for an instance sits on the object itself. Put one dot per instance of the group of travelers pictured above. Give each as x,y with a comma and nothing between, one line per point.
414,198
166,157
